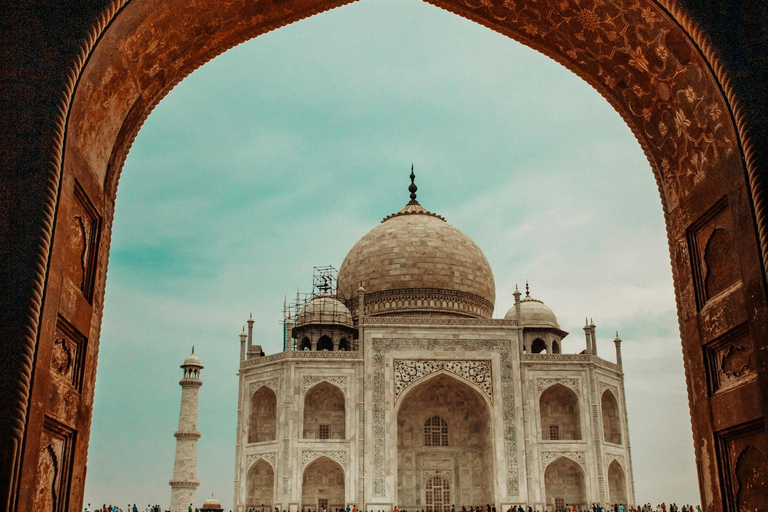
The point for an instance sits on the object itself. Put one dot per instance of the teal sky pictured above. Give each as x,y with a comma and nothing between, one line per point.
280,154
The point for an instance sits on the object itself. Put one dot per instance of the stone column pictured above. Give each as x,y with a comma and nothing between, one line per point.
184,483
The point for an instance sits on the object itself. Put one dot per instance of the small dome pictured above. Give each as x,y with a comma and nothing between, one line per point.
533,313
211,504
192,360
325,310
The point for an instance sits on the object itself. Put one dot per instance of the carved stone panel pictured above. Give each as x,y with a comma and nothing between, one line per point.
270,383
68,354
713,262
250,460
548,457
54,468
743,461
311,380
730,360
85,224
309,456
502,347
572,383
408,371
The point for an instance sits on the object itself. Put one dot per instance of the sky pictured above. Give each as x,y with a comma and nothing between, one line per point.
281,153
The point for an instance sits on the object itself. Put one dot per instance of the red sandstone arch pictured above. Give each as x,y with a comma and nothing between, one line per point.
646,58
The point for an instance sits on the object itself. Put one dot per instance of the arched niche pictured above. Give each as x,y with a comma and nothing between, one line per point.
560,414
460,416
325,343
324,412
322,485
305,344
260,486
344,345
617,484
565,485
262,424
538,346
611,422
555,347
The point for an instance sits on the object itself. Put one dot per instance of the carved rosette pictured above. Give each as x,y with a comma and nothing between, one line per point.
610,457
548,457
338,456
311,380
252,459
408,371
270,383
572,383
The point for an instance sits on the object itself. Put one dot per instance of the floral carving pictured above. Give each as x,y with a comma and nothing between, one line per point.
252,459
572,383
408,371
634,50
270,383
62,357
548,457
610,457
338,456
311,380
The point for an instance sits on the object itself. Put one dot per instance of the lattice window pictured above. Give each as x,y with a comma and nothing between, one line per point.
554,432
559,503
437,494
435,432
324,432
322,504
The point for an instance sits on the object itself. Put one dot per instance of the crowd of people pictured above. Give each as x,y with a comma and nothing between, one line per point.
128,508
661,507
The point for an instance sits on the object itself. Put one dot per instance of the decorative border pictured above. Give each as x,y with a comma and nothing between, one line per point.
569,382
409,371
272,384
613,388
311,380
610,457
309,456
502,347
250,460
548,457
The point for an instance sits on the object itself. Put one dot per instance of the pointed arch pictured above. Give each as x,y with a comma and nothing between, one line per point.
260,486
323,484
458,415
609,407
617,488
560,414
262,425
538,346
324,412
565,484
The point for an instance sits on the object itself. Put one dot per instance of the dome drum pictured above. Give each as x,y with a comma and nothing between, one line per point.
436,301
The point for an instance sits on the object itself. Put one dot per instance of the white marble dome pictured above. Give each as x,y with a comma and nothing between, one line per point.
533,313
192,360
324,310
416,256
211,504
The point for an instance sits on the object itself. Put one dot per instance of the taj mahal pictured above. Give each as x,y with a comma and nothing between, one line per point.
396,387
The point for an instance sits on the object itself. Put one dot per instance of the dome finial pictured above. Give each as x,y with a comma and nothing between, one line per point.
413,188
527,290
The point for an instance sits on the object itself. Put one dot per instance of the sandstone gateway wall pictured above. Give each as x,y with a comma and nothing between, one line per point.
79,78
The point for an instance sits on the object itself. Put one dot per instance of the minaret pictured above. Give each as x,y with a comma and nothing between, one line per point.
184,482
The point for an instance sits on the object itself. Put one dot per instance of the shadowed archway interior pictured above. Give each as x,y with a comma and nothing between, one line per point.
648,60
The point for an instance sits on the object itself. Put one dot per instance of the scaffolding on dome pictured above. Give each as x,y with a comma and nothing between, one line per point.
323,283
